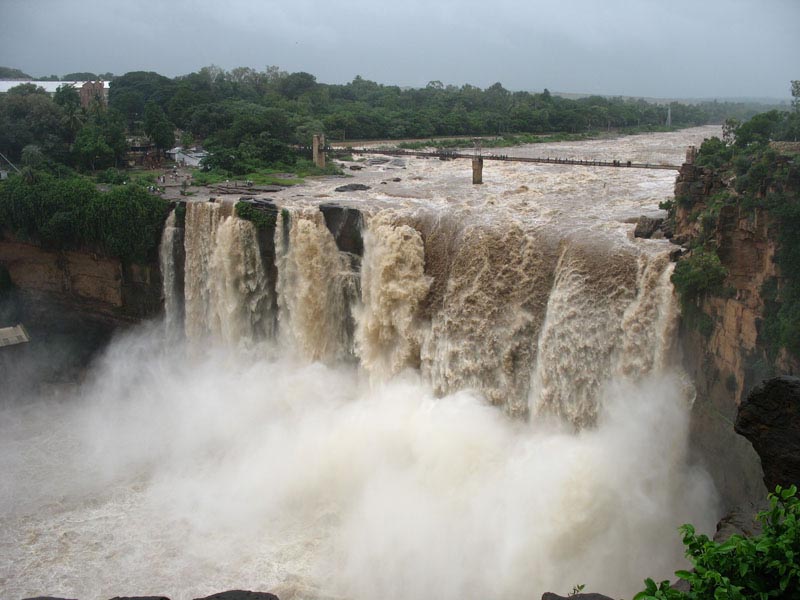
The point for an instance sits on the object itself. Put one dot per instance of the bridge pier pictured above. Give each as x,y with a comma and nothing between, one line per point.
477,170
317,154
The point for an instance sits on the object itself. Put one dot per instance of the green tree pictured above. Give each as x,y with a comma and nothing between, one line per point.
157,126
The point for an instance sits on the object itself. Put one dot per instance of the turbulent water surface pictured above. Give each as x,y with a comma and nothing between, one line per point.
487,403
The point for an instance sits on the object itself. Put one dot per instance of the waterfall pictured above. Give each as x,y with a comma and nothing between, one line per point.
610,314
534,322
228,296
316,287
171,260
394,285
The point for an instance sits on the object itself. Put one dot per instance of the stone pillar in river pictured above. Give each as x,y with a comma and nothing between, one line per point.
316,148
477,170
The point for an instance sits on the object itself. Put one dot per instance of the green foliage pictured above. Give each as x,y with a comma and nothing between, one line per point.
740,568
714,153
261,219
71,213
157,126
698,274
112,176
101,142
129,221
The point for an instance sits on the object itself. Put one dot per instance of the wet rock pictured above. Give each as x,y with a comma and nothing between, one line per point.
770,418
552,596
355,167
352,187
739,521
676,253
646,227
140,598
345,225
240,595
396,179
378,161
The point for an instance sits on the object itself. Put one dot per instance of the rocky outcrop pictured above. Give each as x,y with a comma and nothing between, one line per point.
770,419
352,187
647,227
728,359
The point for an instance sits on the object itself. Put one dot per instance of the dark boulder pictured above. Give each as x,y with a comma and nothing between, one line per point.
552,596
770,418
140,598
352,187
240,595
646,226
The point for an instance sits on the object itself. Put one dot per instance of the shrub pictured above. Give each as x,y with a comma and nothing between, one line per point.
260,218
697,275
71,213
740,568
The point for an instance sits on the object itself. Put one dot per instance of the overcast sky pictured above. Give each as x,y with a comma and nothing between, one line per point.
658,48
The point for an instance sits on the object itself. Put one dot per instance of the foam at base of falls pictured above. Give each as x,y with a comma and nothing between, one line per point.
181,476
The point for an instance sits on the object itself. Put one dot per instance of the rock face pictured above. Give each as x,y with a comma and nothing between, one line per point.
70,302
646,227
770,419
102,285
730,359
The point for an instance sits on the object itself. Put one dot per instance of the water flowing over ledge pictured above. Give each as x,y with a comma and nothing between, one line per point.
318,413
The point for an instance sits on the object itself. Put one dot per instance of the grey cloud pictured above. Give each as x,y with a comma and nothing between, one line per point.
647,48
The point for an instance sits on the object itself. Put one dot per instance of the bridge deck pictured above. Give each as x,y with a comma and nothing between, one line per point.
506,158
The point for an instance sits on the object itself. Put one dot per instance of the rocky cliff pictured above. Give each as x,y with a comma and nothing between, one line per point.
71,302
725,351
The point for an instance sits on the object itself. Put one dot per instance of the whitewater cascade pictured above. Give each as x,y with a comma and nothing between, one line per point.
227,297
533,321
427,389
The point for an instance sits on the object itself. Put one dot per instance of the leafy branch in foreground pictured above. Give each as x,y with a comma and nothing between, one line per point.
740,568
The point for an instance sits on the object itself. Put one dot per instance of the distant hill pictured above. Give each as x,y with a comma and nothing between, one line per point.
9,73
768,102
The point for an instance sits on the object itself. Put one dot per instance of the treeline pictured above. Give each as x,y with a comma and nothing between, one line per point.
249,118
71,213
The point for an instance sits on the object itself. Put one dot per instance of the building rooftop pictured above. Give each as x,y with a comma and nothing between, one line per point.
49,86
11,336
